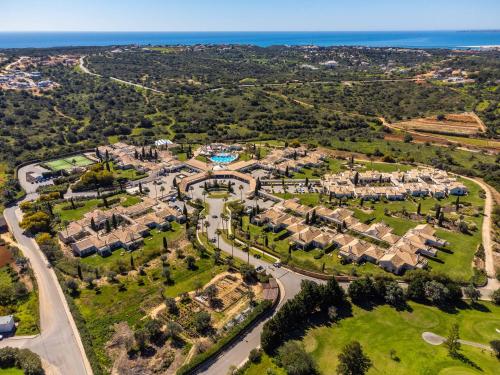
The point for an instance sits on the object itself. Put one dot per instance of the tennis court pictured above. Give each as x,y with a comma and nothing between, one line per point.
68,163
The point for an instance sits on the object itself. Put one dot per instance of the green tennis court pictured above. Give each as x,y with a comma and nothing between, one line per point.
69,162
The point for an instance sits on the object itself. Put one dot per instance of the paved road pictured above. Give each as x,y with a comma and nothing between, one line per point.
289,282
59,344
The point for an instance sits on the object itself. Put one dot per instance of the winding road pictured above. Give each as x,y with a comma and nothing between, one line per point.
60,345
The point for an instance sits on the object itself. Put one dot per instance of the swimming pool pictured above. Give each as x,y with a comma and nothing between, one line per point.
223,158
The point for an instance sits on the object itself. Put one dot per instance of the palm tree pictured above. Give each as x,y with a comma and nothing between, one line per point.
225,219
218,232
207,224
191,189
202,220
231,238
162,189
241,192
204,196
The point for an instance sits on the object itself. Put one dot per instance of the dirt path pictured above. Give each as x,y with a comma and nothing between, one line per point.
486,228
59,113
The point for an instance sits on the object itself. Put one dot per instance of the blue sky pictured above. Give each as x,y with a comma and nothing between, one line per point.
247,15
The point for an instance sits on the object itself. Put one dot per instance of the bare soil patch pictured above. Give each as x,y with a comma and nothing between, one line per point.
457,124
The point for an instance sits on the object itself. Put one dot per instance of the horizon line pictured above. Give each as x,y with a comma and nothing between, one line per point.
245,31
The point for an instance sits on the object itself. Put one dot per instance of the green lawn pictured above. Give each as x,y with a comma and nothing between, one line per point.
24,310
130,174
152,245
264,366
457,264
386,167
11,371
131,200
89,205
331,166
383,329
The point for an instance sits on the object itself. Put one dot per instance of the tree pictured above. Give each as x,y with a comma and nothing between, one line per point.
36,222
211,293
394,294
72,286
166,273
408,138
436,292
173,329
496,297
255,355
218,232
295,360
141,337
332,294
361,290
419,208
165,244
190,262
472,293
452,341
153,327
202,321
437,208
171,305
93,225
495,346
352,360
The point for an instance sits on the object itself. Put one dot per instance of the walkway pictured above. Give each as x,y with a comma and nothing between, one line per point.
433,339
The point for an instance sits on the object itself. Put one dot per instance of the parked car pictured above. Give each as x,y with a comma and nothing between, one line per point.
259,269
277,264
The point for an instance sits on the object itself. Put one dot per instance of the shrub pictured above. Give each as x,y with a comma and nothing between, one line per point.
255,355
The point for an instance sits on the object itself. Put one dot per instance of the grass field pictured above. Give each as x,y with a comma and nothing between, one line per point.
67,163
89,205
456,264
25,310
130,174
11,371
382,329
109,305
151,244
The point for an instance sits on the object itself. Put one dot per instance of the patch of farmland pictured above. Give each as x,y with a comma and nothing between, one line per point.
454,124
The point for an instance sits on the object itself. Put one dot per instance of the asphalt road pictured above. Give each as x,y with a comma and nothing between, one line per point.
289,283
59,344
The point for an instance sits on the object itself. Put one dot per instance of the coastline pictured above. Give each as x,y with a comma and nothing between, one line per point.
380,39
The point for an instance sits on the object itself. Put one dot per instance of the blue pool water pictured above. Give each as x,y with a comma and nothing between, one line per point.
223,158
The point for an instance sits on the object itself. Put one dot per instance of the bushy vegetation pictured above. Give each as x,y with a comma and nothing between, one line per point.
23,359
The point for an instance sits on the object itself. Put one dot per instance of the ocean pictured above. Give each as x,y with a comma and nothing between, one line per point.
407,39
